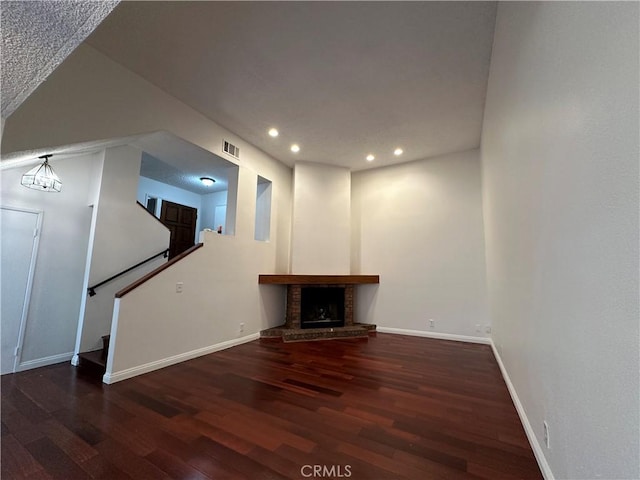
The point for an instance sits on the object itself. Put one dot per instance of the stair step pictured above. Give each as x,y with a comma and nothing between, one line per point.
93,361
105,346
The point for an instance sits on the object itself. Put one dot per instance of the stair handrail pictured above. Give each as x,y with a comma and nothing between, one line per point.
158,270
92,290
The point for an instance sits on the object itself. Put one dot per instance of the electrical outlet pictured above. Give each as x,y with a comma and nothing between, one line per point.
432,323
242,327
179,287
546,433
477,328
487,329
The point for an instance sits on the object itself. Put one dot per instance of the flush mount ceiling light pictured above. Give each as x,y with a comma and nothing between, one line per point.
206,181
370,158
397,152
295,148
42,177
274,132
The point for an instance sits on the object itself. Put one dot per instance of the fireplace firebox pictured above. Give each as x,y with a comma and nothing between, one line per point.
322,307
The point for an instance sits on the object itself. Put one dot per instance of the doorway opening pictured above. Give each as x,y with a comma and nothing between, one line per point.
151,205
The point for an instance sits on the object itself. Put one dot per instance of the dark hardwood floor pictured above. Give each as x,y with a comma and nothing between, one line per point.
391,407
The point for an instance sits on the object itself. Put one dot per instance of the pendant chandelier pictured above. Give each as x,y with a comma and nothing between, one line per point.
42,177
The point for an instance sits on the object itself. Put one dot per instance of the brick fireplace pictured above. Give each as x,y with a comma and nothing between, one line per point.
319,306
310,306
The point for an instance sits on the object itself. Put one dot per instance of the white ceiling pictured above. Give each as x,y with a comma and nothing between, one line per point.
37,35
342,79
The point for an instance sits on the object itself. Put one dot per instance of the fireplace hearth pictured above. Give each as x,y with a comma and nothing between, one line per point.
319,306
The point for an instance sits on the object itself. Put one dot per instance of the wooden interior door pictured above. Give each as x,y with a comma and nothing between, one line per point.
181,221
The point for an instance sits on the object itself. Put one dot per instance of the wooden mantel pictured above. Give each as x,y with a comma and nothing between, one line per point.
318,279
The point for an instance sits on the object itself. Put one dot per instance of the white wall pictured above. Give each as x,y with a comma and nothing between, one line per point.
94,97
210,202
163,191
99,308
419,226
57,286
124,235
155,326
560,178
321,220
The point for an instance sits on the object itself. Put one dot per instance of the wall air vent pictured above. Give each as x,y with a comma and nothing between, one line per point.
231,149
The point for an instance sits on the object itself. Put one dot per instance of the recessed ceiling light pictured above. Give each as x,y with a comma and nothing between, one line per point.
370,158
397,152
295,148
274,132
207,182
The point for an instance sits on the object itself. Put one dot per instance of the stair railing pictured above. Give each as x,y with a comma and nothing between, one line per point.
92,290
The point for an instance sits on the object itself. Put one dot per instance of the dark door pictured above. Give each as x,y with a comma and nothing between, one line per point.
181,221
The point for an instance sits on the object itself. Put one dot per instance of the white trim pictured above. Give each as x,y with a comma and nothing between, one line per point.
533,440
181,357
75,360
43,362
441,336
87,264
113,336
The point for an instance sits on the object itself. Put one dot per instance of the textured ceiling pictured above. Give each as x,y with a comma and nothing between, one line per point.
156,169
342,79
36,37
171,160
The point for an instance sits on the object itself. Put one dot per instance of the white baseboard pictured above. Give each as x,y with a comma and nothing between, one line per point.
43,362
181,357
533,440
441,336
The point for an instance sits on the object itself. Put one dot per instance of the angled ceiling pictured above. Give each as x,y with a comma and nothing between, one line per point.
165,157
37,35
341,79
